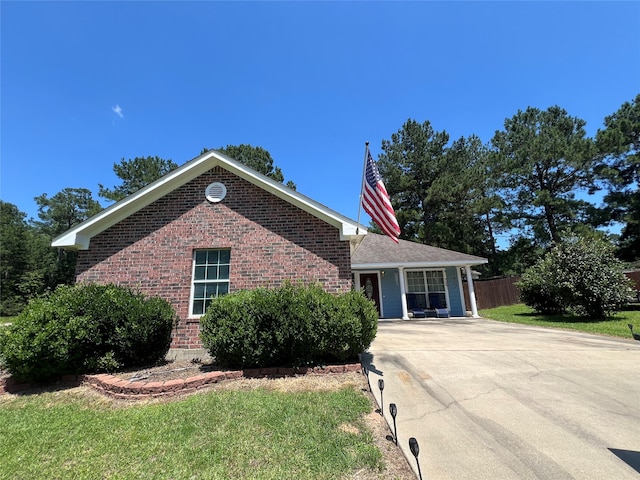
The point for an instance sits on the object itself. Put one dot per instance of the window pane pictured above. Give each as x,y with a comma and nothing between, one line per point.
213,257
416,300
201,257
206,304
198,307
212,273
223,288
225,256
435,280
198,290
199,273
437,300
223,272
415,282
212,291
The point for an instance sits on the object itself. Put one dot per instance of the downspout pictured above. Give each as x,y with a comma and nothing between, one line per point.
403,294
472,293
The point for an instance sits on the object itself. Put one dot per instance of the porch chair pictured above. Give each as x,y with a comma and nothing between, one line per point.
434,302
415,304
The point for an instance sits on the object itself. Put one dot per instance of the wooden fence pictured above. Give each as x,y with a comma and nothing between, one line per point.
498,292
492,293
635,278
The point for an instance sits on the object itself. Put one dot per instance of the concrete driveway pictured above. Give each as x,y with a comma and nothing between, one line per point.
490,400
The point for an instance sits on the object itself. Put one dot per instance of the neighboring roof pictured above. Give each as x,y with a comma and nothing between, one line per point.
79,236
379,251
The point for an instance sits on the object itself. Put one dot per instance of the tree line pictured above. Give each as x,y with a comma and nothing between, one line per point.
531,181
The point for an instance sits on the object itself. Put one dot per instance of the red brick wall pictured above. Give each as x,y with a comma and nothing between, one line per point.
270,241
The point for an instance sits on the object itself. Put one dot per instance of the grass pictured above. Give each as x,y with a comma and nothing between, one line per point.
220,434
5,320
615,326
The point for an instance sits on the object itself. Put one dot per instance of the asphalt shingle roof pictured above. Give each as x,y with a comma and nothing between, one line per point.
381,250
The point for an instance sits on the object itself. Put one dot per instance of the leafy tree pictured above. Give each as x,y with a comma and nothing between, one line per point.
619,145
65,209
29,266
50,267
539,288
410,164
47,267
440,193
543,158
471,205
581,276
522,253
13,257
136,174
257,158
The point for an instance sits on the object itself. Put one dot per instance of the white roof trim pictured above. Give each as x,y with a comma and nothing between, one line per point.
80,236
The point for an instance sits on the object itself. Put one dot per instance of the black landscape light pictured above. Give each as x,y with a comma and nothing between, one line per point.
381,387
415,450
393,409
366,374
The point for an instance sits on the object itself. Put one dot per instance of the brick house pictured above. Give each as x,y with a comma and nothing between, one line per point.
214,226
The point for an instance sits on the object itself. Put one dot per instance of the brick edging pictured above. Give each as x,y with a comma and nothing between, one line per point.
116,387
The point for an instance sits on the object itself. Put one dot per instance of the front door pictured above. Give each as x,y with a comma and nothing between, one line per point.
369,285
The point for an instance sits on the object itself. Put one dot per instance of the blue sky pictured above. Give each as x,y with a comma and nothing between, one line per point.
85,84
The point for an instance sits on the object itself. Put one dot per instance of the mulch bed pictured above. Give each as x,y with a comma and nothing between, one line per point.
168,379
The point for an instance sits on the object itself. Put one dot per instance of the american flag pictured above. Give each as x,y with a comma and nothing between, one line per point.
376,203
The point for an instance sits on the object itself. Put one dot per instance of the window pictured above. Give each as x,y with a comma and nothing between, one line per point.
210,277
435,286
426,289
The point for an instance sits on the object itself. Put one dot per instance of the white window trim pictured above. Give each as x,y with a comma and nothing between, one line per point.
444,279
193,281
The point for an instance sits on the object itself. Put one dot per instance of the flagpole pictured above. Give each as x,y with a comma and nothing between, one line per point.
364,167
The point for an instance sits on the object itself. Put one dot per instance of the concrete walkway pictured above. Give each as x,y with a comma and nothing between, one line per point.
490,400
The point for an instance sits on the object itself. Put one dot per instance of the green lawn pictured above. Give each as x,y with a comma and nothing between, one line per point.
5,320
221,434
616,326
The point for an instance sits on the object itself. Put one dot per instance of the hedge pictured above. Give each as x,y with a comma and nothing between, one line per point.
86,328
290,325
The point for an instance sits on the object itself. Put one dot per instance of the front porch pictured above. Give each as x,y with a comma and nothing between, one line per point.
412,280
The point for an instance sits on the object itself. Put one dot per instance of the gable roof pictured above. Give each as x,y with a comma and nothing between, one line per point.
80,236
379,251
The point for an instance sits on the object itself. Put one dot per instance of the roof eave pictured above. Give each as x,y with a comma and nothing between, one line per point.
72,241
79,237
448,263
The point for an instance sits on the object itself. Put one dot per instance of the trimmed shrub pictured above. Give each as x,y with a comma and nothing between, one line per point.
538,288
289,325
84,329
580,276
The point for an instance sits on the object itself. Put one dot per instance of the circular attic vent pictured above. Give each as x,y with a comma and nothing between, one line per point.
215,192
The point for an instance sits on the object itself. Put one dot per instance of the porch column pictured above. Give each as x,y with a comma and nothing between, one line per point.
403,294
472,293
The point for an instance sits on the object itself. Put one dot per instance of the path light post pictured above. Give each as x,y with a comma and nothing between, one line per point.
415,450
381,387
393,409
366,374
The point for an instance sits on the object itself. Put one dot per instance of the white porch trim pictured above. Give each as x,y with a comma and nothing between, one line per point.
472,293
403,294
